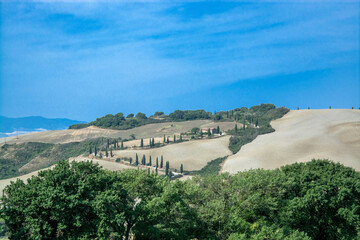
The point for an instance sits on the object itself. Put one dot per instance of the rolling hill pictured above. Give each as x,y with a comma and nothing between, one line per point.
301,136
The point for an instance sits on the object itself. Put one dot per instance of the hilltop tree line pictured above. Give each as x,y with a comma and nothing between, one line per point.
264,113
79,200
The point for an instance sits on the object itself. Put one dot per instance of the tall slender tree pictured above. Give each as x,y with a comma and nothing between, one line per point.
95,151
181,168
111,154
143,160
150,161
164,139
167,140
218,129
106,152
130,160
142,143
157,162
136,160
90,150
174,138
162,162
122,144
208,132
167,167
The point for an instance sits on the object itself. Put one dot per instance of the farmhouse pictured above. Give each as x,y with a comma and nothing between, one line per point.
212,130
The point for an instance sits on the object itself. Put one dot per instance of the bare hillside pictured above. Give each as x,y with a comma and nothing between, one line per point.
301,136
194,155
146,131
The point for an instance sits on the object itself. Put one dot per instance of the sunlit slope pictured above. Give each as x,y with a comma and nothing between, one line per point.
194,155
301,136
146,131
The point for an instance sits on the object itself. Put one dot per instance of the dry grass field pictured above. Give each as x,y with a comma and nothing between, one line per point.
301,136
146,131
194,155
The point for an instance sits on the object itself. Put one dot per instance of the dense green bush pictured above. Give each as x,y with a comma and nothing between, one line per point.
314,200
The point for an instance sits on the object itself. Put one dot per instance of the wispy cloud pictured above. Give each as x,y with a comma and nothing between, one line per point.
128,50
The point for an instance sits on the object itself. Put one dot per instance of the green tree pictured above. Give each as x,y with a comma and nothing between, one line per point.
95,151
64,202
142,143
157,162
167,140
181,168
161,162
143,161
90,150
208,132
136,160
167,167
236,128
174,138
164,139
150,164
218,129
111,153
122,144
106,152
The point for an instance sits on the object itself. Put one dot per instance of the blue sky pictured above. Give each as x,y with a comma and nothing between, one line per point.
87,59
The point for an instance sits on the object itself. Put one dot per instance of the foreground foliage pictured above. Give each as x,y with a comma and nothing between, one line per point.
314,200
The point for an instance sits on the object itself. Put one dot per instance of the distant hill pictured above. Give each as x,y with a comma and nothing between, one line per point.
18,126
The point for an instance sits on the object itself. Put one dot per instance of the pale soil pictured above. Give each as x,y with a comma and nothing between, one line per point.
146,131
194,155
110,165
301,136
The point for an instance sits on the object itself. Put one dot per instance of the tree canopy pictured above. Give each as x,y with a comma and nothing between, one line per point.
79,200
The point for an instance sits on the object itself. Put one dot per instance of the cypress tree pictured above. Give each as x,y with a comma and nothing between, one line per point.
108,143
95,151
136,160
122,144
143,162
218,129
167,166
150,142
106,152
162,162
164,139
150,161
157,162
142,143
208,132
130,160
111,154
156,170
180,138
181,168
114,144
90,151
236,129
167,140
174,138
153,142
